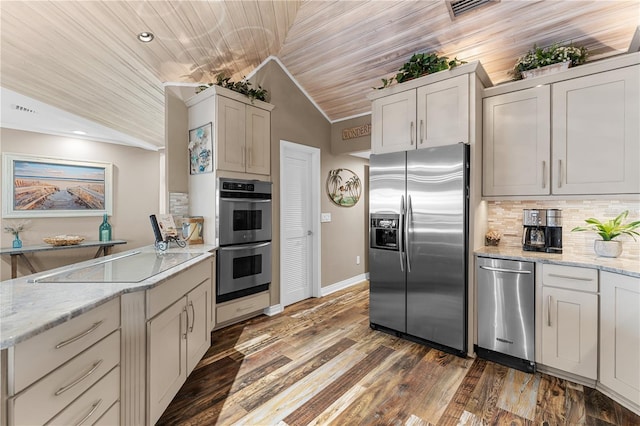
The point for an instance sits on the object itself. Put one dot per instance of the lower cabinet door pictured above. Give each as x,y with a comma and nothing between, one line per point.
570,331
167,349
198,336
620,334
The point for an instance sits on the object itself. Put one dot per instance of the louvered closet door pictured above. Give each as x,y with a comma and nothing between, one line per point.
297,236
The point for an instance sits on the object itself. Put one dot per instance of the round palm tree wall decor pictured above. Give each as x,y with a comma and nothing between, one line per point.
343,187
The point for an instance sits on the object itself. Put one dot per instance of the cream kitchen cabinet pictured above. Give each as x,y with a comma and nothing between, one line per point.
572,133
570,319
393,119
241,129
244,137
178,337
620,336
596,133
68,372
429,111
166,331
517,148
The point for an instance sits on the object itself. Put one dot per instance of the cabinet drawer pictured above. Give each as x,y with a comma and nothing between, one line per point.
158,298
93,403
570,277
40,354
69,381
111,417
240,307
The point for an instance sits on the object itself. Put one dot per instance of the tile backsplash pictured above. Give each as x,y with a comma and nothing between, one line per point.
506,218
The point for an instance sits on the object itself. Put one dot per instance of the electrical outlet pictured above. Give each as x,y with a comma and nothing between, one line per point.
357,260
325,217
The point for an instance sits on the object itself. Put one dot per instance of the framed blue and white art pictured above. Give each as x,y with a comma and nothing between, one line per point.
201,150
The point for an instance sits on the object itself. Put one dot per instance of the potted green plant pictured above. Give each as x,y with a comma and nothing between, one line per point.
537,60
421,64
238,86
607,246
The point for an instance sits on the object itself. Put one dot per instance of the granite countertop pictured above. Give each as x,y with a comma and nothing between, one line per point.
626,265
28,308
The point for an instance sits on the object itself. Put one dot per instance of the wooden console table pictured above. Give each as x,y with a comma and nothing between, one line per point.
104,248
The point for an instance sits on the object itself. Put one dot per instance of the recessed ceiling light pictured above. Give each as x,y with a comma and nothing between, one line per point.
79,132
145,36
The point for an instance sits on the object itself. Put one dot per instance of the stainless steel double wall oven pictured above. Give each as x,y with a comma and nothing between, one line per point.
244,233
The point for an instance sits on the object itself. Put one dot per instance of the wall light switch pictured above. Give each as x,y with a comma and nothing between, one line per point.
325,217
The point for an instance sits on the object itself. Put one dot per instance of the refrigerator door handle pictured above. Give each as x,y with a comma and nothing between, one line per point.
407,221
400,236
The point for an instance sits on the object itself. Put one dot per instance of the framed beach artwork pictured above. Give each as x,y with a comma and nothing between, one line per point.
200,150
34,186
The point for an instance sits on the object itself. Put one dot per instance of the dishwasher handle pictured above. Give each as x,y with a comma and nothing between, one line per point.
510,271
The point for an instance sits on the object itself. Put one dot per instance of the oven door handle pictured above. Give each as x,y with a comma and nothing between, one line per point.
245,247
247,200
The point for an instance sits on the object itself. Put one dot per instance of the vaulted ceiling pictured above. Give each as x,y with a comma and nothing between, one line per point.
83,57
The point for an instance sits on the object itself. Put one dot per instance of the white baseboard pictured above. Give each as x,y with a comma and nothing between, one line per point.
341,285
273,310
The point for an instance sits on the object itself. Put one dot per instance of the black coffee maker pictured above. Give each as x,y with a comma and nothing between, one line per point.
534,222
542,230
553,236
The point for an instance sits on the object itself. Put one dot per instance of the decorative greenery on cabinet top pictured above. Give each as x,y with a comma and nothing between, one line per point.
241,87
421,64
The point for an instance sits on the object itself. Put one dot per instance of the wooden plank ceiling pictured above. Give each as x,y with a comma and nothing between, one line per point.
83,56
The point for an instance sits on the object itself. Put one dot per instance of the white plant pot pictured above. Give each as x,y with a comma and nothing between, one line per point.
546,70
607,248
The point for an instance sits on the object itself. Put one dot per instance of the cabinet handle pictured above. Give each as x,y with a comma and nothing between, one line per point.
79,336
186,323
244,155
411,132
193,315
549,311
94,407
559,173
511,271
544,177
569,277
421,131
249,163
79,379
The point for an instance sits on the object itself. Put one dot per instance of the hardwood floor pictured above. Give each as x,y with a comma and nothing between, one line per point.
319,363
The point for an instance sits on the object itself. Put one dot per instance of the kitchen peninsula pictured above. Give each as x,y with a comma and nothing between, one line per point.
71,337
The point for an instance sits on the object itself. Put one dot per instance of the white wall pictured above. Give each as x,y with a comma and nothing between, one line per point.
135,188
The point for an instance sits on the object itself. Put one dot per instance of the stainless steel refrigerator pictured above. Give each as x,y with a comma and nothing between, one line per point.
419,244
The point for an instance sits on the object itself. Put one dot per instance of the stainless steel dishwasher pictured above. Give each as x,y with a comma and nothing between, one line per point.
506,309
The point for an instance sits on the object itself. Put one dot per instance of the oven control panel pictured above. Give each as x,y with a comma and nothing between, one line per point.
238,186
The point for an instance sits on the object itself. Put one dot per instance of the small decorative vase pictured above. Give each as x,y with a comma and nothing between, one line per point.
607,248
17,242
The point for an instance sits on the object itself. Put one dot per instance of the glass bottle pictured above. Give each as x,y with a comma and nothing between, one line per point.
17,242
104,230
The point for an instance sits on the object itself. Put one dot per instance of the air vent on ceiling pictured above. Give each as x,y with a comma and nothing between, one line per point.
23,109
458,7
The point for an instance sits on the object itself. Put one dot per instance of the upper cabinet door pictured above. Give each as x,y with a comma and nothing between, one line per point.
231,135
258,141
443,112
393,123
516,153
596,133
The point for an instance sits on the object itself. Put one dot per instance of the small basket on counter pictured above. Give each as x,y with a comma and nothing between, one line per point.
492,238
63,240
